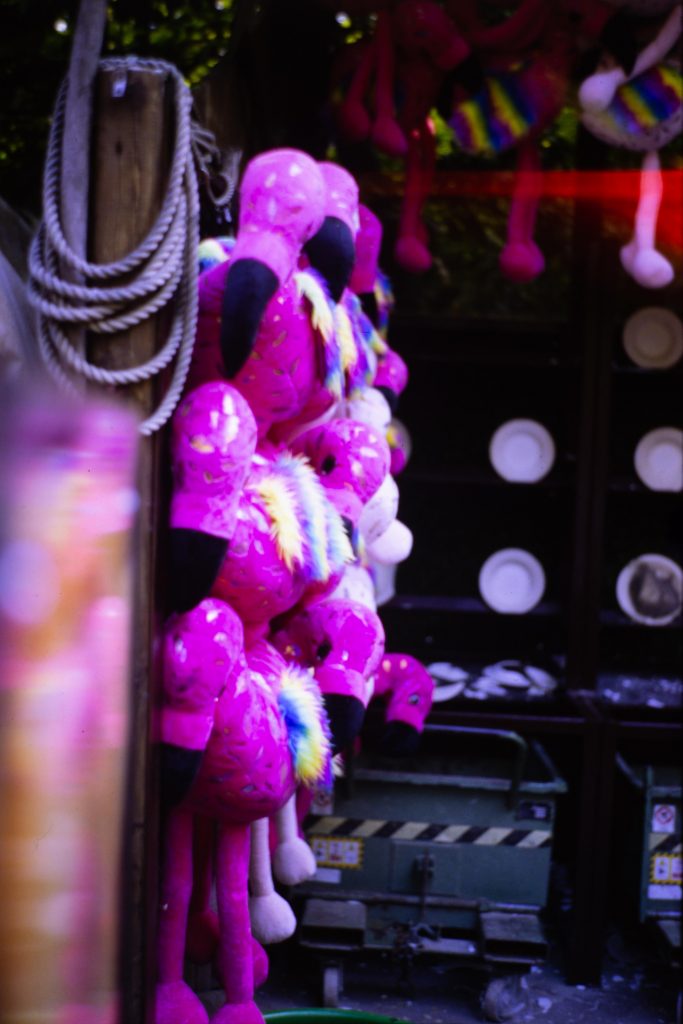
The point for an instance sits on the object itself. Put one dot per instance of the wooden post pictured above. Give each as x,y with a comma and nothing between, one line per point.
132,148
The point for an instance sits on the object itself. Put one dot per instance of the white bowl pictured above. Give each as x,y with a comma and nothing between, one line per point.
653,338
512,581
658,459
522,451
650,590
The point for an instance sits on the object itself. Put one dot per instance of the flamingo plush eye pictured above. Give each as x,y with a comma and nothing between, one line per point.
323,650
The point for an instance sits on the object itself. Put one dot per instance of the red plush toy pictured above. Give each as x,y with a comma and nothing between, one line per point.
526,59
414,46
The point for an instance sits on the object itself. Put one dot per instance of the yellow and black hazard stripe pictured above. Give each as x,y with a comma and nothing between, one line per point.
376,828
664,842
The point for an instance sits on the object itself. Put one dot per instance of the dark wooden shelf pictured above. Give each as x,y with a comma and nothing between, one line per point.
632,485
525,345
484,476
618,619
631,370
465,606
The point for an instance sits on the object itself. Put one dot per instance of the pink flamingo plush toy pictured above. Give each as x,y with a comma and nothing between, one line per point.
414,45
227,712
246,773
255,325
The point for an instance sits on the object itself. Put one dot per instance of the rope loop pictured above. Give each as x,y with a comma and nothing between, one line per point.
116,296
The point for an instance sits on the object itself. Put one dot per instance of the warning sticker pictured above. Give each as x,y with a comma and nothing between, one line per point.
664,892
663,818
665,869
323,800
332,852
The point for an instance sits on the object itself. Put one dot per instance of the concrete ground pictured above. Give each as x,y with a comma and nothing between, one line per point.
639,986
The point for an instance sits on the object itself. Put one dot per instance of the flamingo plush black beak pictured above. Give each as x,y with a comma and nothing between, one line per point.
249,287
332,252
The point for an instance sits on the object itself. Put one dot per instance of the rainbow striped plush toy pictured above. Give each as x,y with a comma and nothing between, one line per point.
641,109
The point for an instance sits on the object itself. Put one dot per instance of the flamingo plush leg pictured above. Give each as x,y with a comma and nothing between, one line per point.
639,257
202,923
386,132
354,120
176,1003
235,961
521,260
272,918
411,245
293,860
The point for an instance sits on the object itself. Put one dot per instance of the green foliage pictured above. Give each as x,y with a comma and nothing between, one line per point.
35,45
466,235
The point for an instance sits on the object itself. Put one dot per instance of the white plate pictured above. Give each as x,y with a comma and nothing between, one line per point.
450,680
522,451
508,673
658,459
447,672
517,675
653,338
650,590
447,691
512,581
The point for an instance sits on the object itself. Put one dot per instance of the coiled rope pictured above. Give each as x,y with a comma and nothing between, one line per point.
162,269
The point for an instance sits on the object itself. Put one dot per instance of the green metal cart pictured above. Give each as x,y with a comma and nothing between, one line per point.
653,863
443,854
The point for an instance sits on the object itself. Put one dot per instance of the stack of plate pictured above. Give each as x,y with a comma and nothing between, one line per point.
450,680
653,338
506,679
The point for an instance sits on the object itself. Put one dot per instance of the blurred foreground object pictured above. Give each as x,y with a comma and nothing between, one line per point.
68,505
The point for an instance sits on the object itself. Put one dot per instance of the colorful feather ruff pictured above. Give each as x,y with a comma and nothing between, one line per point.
384,299
367,343
280,502
311,286
308,732
212,251
347,343
307,530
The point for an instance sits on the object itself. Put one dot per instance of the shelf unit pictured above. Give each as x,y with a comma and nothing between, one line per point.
584,521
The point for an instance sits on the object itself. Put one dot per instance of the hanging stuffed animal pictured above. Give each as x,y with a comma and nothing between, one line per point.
271,916
256,327
328,257
414,45
248,769
526,60
224,713
641,109
279,533
373,288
